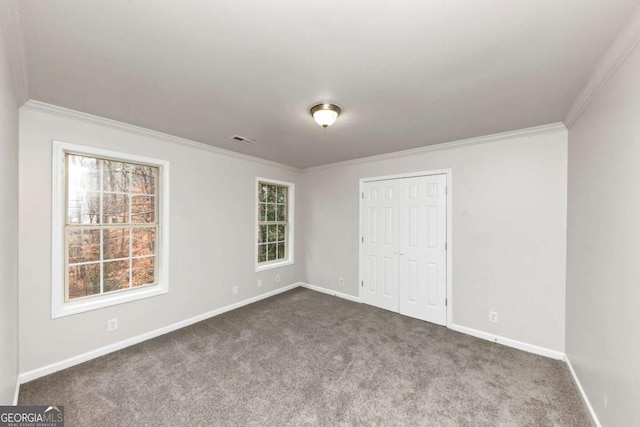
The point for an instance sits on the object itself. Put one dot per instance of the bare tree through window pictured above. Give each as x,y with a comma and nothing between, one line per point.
111,227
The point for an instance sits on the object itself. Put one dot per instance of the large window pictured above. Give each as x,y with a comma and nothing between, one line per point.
275,223
109,219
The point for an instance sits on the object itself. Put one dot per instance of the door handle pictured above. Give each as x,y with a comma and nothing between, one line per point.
401,253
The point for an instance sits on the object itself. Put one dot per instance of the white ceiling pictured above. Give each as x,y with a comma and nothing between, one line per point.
406,73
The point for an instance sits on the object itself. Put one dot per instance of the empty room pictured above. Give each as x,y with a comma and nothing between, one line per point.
319,213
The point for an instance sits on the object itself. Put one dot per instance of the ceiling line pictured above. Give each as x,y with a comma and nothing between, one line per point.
66,112
535,130
622,46
11,25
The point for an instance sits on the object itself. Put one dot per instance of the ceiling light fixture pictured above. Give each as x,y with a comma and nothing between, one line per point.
325,114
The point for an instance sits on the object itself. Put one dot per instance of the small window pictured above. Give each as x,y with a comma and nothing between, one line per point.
110,226
275,224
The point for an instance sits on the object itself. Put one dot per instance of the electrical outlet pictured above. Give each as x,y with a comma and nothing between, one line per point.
259,283
493,316
341,281
234,290
112,324
277,277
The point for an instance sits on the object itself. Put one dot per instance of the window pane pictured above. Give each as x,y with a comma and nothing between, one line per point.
115,209
84,280
262,234
115,176
271,251
84,208
281,232
143,179
262,212
262,192
262,253
281,250
272,233
282,216
144,241
116,243
116,275
143,209
271,212
271,193
143,271
84,245
282,194
83,174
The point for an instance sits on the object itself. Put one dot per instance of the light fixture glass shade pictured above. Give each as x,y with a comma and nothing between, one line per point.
325,114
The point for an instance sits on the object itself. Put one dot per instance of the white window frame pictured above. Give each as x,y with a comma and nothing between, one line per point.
60,308
261,266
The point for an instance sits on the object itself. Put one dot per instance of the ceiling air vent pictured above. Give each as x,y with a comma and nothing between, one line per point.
243,139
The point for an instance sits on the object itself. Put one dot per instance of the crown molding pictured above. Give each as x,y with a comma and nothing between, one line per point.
536,130
11,26
114,124
102,121
622,46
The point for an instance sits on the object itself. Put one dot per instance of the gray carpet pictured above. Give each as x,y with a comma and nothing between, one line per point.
305,358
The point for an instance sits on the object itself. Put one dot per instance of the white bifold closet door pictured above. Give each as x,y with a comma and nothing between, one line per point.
403,250
379,261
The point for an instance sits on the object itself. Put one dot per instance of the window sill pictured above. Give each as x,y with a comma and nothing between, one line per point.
263,267
89,304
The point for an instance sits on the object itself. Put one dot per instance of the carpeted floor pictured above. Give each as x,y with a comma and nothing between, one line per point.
305,358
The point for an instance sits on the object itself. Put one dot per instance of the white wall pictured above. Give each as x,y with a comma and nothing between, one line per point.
509,226
603,267
212,236
509,230
8,232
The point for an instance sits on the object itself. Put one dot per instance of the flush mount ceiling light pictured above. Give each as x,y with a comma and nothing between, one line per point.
325,114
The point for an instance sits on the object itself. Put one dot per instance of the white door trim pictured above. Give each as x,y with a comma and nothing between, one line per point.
448,173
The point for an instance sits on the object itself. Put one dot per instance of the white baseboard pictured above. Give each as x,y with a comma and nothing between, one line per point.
558,355
330,292
541,351
582,392
17,393
530,348
63,364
